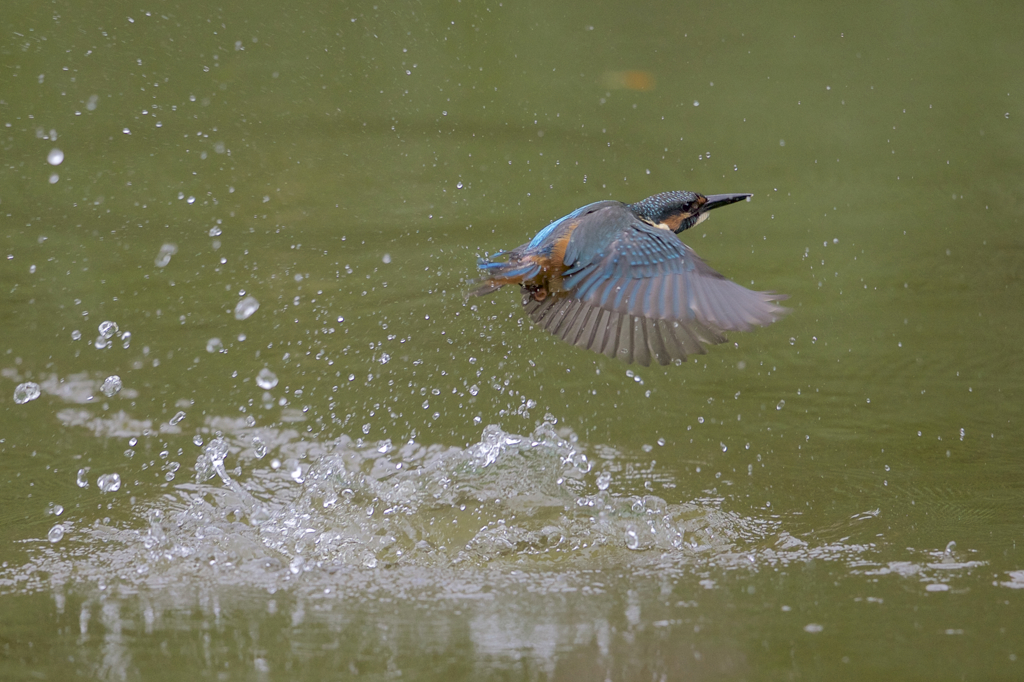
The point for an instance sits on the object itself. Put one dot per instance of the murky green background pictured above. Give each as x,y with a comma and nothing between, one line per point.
838,495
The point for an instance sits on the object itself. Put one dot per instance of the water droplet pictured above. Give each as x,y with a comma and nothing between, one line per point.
632,537
81,480
246,307
782,403
26,392
266,379
111,385
56,533
813,627
108,329
55,157
215,345
604,479
259,447
163,256
386,258
176,419
109,483
214,231
459,185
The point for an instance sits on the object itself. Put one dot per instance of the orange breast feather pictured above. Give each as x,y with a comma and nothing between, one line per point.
554,264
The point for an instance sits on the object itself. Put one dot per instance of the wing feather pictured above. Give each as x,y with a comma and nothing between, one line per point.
635,292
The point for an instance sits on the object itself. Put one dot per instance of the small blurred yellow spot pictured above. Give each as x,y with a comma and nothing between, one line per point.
629,80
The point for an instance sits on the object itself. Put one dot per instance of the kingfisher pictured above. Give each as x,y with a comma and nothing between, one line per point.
614,278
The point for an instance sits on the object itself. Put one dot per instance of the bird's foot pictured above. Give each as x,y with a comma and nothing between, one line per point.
537,292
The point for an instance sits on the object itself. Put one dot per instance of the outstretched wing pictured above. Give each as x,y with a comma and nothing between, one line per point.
636,292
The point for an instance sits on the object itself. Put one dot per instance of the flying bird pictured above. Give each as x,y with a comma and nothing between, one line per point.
614,278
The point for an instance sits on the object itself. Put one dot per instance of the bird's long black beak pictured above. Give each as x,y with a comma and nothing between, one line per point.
717,200
688,220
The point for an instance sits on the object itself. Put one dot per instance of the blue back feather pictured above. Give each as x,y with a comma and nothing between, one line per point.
546,232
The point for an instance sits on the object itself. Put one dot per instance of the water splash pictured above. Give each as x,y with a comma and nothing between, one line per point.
266,506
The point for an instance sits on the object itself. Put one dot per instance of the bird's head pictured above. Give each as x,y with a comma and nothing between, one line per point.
677,211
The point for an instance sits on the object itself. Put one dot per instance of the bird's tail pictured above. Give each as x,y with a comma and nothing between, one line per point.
499,273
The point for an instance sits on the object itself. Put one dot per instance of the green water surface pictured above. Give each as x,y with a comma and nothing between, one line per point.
447,492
